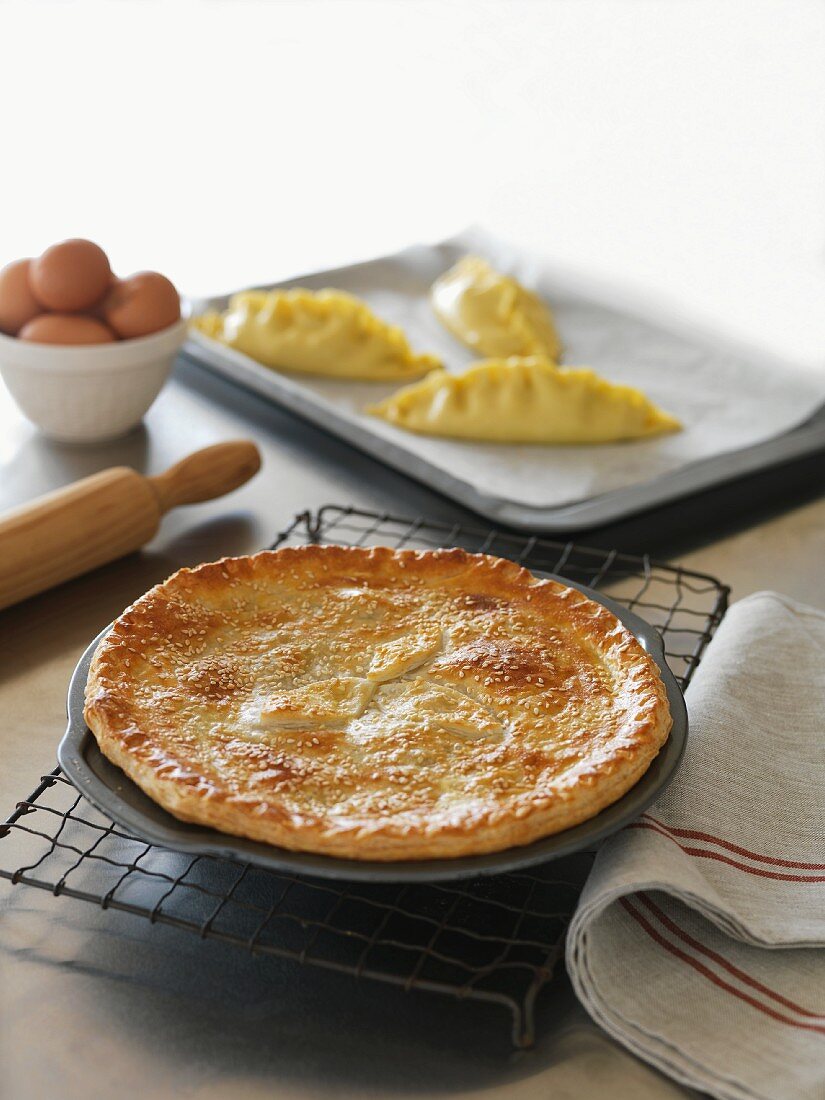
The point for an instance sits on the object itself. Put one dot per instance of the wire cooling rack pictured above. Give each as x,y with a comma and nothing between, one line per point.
496,939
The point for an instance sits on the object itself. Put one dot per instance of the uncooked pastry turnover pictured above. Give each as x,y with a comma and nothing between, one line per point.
376,703
325,332
492,313
524,400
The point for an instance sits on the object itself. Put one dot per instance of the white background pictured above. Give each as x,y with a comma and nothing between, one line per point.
673,147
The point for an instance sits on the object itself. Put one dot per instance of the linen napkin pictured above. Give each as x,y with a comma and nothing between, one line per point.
699,940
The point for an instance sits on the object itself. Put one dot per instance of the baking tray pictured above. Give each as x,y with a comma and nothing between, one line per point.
115,795
649,482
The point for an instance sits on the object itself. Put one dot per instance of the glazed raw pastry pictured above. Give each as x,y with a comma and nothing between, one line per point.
375,703
524,401
492,313
324,332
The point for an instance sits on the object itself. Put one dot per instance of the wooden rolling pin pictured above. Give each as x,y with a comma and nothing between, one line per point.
84,525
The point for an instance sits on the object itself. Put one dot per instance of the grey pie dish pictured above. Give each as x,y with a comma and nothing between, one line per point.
116,796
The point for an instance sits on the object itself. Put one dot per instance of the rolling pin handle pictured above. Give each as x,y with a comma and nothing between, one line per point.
206,474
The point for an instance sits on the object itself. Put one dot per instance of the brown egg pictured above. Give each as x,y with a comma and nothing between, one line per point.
66,328
71,276
97,310
17,303
142,304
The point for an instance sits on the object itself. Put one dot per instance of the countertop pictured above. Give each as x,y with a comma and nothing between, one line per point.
101,1004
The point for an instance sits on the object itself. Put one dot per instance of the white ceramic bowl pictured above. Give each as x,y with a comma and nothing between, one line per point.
89,393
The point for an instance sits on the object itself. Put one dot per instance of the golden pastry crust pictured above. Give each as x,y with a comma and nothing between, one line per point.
375,703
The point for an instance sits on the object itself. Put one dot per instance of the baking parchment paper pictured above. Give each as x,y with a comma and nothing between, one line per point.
726,399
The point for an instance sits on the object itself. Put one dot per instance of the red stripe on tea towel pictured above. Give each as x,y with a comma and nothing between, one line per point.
704,853
766,1010
746,979
694,834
